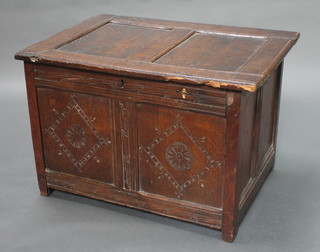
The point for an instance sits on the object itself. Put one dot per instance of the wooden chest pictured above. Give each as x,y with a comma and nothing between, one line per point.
174,118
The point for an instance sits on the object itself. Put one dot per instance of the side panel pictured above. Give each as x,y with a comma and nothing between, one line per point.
248,117
259,115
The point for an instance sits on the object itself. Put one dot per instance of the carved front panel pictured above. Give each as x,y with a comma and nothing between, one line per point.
77,134
181,154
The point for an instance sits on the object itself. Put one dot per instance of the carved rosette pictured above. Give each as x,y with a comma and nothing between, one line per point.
77,136
179,156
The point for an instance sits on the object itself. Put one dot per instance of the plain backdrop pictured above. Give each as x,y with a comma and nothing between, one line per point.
285,215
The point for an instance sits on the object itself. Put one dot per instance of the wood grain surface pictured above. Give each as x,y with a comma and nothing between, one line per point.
218,56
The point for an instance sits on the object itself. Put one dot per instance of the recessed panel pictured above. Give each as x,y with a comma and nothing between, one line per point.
214,52
77,134
113,40
181,154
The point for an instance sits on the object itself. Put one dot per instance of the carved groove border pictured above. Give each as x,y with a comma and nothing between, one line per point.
125,144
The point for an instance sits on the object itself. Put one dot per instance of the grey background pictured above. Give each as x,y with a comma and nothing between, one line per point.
285,215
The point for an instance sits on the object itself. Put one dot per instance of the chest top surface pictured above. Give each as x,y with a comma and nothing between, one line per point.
219,56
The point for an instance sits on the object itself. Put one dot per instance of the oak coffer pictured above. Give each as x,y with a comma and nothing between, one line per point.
174,118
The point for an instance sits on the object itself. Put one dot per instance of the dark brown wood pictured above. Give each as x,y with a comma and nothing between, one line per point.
272,53
77,134
204,99
35,127
213,52
253,171
230,177
65,37
277,98
220,29
173,118
178,158
247,138
206,216
166,73
167,51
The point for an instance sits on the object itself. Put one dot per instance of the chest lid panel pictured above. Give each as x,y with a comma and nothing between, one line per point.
213,55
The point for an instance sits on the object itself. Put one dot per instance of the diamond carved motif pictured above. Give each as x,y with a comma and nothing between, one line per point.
76,135
180,157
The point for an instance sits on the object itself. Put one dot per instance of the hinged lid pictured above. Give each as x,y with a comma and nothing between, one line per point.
213,55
